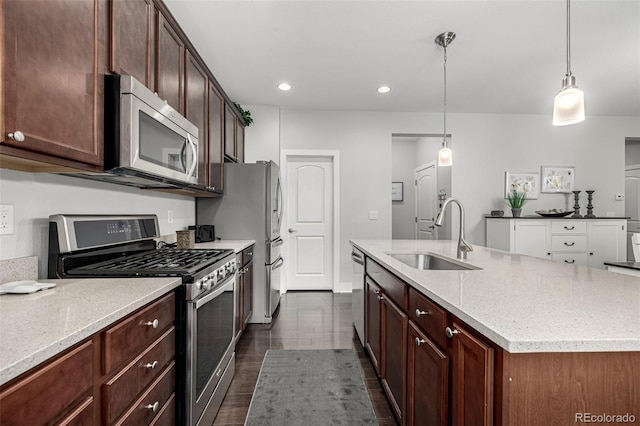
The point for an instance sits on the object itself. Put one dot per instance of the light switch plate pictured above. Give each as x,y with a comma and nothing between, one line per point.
6,219
373,214
619,197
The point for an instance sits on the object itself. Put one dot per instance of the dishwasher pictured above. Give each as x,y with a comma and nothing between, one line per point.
357,292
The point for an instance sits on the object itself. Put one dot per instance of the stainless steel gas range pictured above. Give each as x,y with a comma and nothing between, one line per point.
125,246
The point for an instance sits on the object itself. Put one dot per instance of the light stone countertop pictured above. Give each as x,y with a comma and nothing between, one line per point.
235,245
522,303
35,327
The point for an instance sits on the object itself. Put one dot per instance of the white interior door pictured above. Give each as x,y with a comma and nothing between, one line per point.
426,201
309,223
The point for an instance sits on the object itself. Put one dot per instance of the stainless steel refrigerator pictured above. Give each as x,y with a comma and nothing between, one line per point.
251,208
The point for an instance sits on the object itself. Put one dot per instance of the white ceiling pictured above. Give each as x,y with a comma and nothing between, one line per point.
508,57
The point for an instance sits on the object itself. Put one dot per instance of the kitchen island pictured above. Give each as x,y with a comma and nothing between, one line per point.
558,341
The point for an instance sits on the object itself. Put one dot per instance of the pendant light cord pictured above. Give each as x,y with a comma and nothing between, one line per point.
568,39
444,136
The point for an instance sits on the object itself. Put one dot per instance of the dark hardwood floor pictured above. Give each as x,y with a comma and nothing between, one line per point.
306,320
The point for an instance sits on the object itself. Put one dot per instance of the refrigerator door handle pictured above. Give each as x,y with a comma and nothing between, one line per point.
277,242
278,263
279,204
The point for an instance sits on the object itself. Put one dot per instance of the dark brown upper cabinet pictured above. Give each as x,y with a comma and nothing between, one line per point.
216,138
196,103
171,53
53,66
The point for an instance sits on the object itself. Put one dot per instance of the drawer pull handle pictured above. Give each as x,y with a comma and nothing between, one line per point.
420,313
451,332
419,341
153,323
569,244
380,297
17,136
569,228
152,365
153,407
569,261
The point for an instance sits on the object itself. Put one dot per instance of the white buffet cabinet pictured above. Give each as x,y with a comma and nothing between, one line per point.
589,242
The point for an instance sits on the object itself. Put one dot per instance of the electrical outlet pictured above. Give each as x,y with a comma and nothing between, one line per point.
6,219
169,216
619,197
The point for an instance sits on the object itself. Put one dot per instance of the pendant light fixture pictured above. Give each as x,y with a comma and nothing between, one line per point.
568,105
445,156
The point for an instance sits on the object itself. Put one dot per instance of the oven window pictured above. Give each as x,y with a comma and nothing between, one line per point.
214,335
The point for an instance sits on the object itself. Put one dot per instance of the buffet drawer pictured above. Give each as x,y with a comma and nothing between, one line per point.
124,387
571,258
568,243
568,226
429,316
127,338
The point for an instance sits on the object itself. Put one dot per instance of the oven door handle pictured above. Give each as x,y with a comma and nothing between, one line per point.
217,292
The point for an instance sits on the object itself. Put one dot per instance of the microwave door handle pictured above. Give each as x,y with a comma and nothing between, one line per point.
182,157
194,152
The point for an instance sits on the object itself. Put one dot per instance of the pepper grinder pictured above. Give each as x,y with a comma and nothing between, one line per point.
589,205
576,206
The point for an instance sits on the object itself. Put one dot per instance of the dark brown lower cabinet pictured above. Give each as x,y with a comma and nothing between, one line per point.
372,321
427,380
472,369
394,355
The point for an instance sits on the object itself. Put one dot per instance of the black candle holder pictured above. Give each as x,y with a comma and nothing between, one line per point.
576,206
589,204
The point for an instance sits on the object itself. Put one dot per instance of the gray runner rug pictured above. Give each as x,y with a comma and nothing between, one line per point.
310,387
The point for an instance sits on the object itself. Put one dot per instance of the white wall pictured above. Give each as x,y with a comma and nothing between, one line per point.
35,196
264,134
484,147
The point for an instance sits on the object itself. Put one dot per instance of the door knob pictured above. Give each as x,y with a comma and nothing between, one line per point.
291,230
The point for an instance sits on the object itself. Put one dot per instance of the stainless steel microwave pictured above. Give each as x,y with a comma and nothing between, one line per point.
146,137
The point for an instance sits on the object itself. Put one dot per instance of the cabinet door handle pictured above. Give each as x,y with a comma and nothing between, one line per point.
420,313
152,365
571,261
419,341
17,136
569,228
153,323
569,244
451,332
153,407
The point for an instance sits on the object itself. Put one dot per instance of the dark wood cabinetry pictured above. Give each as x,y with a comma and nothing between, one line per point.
434,369
215,153
196,103
233,135
133,35
245,289
171,52
122,375
53,66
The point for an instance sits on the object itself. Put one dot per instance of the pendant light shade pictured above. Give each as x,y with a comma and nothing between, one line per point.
568,105
445,156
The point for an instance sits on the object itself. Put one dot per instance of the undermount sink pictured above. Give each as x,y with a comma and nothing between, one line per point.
429,261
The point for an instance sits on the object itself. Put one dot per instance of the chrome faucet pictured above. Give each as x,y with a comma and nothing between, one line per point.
463,246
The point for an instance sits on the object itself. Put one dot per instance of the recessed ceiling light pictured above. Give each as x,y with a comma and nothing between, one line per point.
284,86
384,89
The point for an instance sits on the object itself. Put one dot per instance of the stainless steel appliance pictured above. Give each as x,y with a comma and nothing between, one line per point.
124,246
147,143
357,292
632,205
251,208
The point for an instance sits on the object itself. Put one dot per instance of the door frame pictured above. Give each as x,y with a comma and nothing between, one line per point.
334,156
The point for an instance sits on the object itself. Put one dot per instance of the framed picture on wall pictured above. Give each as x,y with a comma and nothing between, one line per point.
397,191
557,178
527,182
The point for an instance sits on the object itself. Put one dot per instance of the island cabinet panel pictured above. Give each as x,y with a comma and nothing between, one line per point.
170,64
54,58
472,377
427,381
564,388
133,27
373,318
61,389
394,355
393,287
